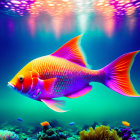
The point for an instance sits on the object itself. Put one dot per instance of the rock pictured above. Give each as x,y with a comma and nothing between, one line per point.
50,132
17,130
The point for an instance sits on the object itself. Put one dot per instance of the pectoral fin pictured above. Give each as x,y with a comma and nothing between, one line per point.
81,92
48,84
54,104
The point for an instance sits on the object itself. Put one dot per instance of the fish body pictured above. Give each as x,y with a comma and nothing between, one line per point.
68,77
125,123
65,74
19,119
72,123
45,123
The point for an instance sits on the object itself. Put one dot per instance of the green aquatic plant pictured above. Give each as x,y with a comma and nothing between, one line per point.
8,135
99,133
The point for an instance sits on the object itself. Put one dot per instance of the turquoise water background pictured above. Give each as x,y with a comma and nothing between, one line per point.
23,39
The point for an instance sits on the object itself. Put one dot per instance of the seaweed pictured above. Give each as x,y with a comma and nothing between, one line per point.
100,133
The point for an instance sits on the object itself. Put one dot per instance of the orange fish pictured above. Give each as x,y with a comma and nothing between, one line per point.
45,123
126,123
64,73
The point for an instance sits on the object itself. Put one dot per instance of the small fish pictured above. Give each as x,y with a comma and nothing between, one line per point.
19,119
125,123
45,123
72,123
64,73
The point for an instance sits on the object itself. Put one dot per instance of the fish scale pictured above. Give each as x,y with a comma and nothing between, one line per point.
68,74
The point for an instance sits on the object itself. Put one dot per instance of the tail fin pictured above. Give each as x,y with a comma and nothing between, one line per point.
117,75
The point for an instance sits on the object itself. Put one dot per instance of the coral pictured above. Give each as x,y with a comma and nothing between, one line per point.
45,125
44,136
54,134
125,133
23,132
49,134
100,133
8,135
23,136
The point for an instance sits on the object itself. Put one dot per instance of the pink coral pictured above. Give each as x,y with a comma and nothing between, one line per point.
8,135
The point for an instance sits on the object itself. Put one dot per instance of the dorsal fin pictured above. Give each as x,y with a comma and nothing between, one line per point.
71,52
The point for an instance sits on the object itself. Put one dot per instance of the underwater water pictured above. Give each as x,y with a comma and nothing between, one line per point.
24,38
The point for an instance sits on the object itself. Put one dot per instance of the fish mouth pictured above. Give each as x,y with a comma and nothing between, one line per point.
11,85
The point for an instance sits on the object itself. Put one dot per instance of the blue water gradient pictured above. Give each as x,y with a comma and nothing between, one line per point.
18,46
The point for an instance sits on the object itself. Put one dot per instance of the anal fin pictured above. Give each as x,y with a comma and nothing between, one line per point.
82,92
55,105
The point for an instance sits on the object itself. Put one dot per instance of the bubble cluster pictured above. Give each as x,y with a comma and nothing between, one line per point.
17,6
62,7
117,7
52,7
35,7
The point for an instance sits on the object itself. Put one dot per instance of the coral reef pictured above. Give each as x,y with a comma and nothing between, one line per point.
100,133
66,132
23,131
8,135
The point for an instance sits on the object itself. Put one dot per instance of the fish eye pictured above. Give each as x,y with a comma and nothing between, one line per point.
21,79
